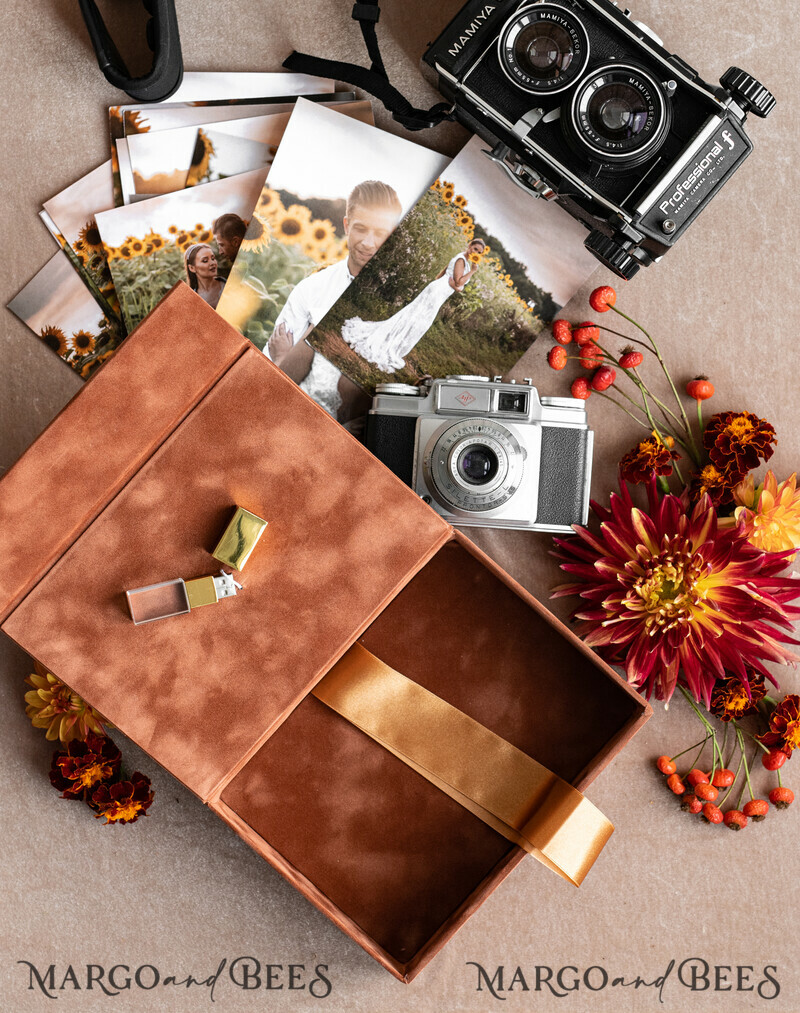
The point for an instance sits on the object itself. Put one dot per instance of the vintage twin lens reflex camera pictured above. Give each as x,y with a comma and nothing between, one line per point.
583,105
485,453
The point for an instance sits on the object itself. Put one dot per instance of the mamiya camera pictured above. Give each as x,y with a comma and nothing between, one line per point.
486,453
583,105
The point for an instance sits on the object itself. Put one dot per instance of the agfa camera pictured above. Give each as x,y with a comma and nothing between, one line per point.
486,453
584,106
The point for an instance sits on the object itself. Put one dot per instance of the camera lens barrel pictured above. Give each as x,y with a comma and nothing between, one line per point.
543,49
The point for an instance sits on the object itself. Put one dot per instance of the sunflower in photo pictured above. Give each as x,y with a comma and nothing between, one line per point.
137,247
83,342
182,238
173,230
135,123
56,339
257,237
460,201
204,236
270,203
154,240
124,252
321,231
448,191
89,238
201,157
292,226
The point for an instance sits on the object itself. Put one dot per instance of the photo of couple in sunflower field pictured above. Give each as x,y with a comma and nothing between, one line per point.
186,236
463,286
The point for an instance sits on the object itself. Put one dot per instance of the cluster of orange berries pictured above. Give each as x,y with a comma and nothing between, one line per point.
699,791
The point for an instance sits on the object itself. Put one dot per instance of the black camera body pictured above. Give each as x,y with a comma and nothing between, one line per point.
584,106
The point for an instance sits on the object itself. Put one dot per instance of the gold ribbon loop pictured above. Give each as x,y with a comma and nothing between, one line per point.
512,793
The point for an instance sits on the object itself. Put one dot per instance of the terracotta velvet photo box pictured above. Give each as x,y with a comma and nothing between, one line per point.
297,710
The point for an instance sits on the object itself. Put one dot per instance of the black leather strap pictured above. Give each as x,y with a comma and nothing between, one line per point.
375,81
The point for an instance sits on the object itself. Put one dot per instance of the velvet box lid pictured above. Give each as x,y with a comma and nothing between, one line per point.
134,482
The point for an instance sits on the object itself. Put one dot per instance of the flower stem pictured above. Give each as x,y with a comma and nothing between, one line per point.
700,416
663,367
623,408
693,745
704,720
746,767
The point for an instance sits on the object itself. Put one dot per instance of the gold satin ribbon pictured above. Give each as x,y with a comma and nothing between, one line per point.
511,792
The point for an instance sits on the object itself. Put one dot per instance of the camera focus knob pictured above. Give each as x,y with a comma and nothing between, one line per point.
611,254
750,94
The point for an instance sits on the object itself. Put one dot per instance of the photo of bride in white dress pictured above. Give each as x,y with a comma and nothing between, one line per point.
386,343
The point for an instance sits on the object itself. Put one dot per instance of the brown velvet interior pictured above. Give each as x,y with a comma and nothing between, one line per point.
393,852
198,691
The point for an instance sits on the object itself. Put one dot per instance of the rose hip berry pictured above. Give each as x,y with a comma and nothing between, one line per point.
781,797
695,777
723,778
591,356
712,814
603,378
756,809
602,299
691,804
557,357
562,331
774,759
675,784
707,792
666,765
735,820
580,388
586,332
701,388
630,358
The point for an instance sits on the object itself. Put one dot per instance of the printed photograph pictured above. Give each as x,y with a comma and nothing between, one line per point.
70,219
335,192
229,93
464,285
184,236
164,161
61,312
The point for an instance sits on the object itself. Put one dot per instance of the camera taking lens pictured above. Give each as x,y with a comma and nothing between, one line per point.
478,464
544,48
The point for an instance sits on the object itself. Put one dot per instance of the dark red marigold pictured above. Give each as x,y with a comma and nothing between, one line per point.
648,458
123,802
734,698
784,725
84,766
737,441
672,596
715,484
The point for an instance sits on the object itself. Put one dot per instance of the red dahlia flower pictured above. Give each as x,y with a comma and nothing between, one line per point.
672,597
84,765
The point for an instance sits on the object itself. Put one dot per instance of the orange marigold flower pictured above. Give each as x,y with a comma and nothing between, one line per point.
84,766
732,699
712,482
770,513
737,441
123,802
52,705
784,725
648,458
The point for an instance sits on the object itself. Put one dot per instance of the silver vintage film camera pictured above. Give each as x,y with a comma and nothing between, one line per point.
485,453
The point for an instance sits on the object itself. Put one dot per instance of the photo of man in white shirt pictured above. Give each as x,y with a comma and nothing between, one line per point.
372,212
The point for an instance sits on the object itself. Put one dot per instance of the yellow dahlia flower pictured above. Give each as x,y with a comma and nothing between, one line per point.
770,513
53,705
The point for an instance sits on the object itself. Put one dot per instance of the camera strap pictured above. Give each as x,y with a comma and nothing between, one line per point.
374,80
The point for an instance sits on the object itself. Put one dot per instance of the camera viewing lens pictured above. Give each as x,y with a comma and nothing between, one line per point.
618,116
544,51
543,48
478,464
618,111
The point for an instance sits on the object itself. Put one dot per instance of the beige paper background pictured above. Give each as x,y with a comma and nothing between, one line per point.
179,890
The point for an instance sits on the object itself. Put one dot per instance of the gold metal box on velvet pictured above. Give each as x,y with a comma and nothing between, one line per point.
223,698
